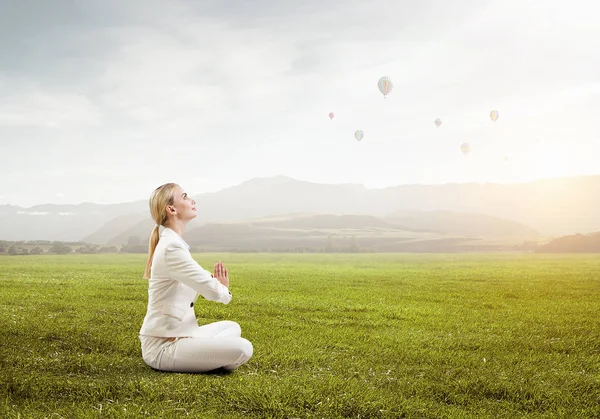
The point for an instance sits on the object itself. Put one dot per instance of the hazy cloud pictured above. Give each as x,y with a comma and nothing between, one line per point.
103,101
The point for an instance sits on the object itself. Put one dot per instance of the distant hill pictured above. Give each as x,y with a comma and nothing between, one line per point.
288,225
461,223
575,243
67,223
315,221
321,232
435,223
326,232
120,223
552,207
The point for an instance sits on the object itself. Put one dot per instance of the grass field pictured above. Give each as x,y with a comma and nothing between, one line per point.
334,335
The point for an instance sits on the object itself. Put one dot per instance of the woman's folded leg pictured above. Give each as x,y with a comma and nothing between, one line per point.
205,354
223,328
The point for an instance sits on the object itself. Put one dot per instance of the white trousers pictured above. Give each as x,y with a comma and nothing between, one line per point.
218,345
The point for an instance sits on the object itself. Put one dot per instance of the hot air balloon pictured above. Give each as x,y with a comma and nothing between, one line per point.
438,122
385,85
465,148
359,135
494,115
331,115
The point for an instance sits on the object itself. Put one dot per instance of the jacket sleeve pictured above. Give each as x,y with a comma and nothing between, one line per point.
182,267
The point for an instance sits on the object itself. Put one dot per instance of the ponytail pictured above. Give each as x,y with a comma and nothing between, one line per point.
154,236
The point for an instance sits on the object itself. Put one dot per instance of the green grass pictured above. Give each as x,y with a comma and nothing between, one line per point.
334,335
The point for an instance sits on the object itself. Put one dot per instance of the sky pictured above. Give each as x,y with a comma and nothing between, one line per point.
104,101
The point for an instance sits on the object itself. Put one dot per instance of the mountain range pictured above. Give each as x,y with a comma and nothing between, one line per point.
268,206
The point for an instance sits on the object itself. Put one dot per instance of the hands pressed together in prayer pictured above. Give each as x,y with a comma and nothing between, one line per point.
221,273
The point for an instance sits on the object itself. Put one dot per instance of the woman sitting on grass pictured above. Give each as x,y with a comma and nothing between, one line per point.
170,336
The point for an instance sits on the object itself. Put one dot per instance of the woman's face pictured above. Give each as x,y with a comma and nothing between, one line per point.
185,207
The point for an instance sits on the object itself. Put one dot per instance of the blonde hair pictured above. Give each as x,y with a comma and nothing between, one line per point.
159,200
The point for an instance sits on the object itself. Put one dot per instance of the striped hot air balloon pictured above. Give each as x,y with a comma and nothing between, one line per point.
385,85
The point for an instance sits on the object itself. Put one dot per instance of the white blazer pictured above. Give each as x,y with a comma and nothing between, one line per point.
176,280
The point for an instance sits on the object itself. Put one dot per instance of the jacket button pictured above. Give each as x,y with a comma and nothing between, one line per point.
191,304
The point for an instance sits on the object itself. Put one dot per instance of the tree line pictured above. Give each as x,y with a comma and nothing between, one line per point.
136,245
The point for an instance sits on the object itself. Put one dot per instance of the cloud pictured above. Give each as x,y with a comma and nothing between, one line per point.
28,105
34,212
214,93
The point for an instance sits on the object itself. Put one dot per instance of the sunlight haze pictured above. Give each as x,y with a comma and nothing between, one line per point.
104,101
